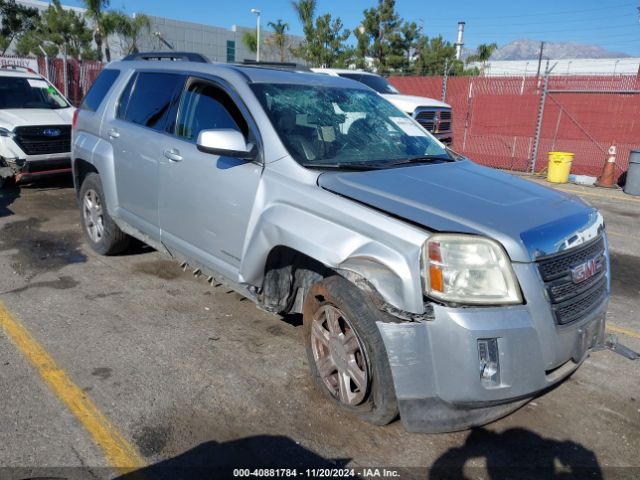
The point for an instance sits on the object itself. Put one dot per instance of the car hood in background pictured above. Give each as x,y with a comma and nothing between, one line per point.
18,117
408,103
530,220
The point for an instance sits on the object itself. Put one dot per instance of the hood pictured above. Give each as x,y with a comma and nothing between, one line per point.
18,117
529,220
408,103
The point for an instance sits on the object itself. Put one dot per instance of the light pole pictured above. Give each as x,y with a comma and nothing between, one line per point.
257,12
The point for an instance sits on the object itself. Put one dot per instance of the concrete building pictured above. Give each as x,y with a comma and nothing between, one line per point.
568,66
219,44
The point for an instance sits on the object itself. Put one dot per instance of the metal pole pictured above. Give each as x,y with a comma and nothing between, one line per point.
536,141
46,61
443,96
257,12
540,59
64,72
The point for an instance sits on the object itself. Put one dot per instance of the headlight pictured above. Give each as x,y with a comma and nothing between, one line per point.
5,133
468,269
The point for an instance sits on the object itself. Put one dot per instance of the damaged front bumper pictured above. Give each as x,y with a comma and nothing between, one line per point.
21,168
471,366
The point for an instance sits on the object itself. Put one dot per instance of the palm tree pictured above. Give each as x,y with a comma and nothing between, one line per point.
483,54
306,10
130,30
279,37
95,11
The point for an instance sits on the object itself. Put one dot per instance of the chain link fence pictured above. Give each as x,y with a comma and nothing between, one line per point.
79,78
496,118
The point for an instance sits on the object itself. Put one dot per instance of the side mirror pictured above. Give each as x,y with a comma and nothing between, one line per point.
226,142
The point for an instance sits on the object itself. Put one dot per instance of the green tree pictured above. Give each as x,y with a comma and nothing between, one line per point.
279,38
17,20
96,12
331,37
324,42
382,24
436,54
59,30
130,30
482,54
250,40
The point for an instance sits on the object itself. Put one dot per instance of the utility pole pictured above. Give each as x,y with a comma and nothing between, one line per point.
540,59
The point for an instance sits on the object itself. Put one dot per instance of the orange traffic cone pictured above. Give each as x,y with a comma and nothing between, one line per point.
607,177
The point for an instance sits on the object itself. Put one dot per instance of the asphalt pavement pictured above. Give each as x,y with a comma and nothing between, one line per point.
113,365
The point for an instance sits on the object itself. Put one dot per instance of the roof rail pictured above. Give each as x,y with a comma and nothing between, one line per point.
276,65
170,56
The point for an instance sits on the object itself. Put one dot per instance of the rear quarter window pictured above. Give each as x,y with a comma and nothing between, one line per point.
99,89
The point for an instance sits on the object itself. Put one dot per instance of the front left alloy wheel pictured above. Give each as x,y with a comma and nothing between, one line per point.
346,353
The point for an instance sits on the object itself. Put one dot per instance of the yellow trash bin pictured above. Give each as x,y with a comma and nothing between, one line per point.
559,167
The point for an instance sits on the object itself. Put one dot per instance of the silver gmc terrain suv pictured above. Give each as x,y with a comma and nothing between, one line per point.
430,287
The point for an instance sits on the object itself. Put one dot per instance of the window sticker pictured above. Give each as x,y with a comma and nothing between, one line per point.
35,83
408,127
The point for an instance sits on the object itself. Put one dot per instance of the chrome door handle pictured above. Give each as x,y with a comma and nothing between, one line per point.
113,133
173,155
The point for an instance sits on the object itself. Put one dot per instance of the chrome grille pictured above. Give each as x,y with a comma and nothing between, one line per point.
570,301
33,140
435,121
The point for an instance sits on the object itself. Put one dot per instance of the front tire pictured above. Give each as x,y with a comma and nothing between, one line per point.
346,353
100,230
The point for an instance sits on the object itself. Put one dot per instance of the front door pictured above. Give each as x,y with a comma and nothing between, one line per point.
134,132
205,200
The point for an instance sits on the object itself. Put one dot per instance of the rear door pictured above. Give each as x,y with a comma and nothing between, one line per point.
134,133
205,200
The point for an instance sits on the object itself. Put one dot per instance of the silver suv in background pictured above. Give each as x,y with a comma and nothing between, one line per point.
429,286
435,116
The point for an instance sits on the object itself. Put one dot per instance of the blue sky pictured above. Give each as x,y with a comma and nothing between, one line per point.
612,24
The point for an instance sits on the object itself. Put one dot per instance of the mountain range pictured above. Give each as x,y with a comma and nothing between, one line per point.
530,49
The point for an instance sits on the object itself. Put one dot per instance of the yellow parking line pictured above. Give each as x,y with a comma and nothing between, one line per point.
600,195
117,450
623,331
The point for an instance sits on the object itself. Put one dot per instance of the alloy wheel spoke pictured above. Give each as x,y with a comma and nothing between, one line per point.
350,342
344,388
358,376
320,333
326,366
333,319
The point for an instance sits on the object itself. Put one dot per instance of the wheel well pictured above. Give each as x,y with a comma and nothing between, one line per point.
81,168
288,275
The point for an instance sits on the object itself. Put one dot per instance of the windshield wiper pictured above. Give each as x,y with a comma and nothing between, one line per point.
345,166
419,159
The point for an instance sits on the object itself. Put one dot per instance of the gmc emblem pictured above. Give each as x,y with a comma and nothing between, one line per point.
588,269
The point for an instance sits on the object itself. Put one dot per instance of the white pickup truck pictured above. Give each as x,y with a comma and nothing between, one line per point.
433,115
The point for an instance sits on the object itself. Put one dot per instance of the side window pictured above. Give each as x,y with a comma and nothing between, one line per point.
124,98
99,89
151,98
206,107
